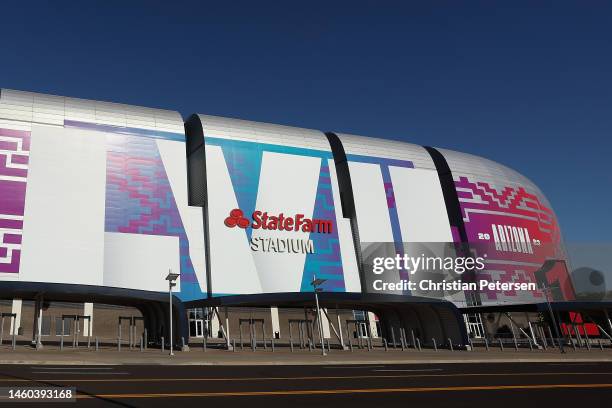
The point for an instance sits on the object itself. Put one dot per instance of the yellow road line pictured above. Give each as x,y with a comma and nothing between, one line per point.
335,377
345,391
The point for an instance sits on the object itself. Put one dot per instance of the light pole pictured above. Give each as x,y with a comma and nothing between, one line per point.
315,284
546,290
171,278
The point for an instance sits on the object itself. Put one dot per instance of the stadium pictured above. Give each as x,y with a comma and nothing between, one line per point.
100,201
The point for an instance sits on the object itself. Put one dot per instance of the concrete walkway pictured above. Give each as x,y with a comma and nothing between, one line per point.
284,356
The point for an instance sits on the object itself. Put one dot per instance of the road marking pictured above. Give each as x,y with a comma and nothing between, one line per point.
71,368
431,369
346,391
335,377
352,367
76,372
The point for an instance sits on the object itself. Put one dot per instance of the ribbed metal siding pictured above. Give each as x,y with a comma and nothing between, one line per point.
30,107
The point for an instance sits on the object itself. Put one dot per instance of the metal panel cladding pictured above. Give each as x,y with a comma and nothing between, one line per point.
95,193
509,220
399,205
274,214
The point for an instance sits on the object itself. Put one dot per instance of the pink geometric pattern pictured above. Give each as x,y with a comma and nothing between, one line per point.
515,202
139,199
483,206
14,158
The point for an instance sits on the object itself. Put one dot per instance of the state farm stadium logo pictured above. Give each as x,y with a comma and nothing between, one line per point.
280,222
236,218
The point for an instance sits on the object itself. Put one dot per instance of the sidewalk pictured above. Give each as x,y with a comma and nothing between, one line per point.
283,356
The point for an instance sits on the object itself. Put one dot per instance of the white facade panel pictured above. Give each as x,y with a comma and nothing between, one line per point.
370,203
175,164
138,261
232,266
63,233
278,170
420,205
289,193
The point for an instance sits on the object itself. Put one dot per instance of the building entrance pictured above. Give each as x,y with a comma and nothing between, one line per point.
196,322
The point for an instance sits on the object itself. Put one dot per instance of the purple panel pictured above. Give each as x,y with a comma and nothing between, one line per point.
20,159
455,233
18,134
464,194
6,171
12,197
12,224
12,239
12,146
12,267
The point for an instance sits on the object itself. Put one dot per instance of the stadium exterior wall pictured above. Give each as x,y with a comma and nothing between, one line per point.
97,194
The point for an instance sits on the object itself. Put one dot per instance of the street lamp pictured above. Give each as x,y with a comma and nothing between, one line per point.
315,284
547,289
171,278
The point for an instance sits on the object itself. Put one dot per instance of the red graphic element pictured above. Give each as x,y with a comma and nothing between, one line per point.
287,223
280,222
577,324
236,217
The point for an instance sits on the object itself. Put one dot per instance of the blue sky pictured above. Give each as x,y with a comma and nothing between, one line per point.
528,84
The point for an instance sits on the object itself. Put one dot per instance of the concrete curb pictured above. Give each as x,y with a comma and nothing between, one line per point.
306,362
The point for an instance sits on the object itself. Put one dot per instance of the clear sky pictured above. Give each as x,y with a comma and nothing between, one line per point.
528,84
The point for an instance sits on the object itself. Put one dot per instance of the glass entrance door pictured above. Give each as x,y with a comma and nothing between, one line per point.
196,323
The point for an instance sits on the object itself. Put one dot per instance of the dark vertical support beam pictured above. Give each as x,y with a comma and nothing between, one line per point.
147,317
453,209
443,331
180,321
425,334
417,318
37,305
161,323
197,183
451,199
347,199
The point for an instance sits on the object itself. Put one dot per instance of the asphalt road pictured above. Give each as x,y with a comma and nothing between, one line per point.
434,385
